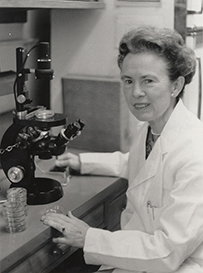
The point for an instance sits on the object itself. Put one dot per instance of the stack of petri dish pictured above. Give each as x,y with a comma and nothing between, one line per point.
15,210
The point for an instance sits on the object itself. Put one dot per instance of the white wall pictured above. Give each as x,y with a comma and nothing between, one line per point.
84,42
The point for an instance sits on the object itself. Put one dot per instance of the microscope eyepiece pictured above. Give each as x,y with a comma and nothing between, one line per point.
73,129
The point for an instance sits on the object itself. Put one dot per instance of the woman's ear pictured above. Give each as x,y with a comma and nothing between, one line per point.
178,86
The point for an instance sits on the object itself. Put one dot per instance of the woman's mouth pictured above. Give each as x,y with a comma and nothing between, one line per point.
139,106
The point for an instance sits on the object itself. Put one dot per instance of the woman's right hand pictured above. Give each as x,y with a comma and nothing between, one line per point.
68,160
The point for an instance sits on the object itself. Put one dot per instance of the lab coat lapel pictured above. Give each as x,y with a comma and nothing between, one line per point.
155,187
147,185
149,167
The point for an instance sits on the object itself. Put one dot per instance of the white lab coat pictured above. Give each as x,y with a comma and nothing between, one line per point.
162,225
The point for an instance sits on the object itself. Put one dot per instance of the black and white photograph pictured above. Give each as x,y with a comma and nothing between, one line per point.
101,136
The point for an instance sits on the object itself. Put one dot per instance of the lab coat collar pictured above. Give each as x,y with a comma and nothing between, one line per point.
173,127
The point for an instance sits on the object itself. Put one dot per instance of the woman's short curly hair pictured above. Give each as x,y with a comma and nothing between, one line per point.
167,43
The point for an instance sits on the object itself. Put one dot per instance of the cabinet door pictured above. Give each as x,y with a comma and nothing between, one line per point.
113,211
95,217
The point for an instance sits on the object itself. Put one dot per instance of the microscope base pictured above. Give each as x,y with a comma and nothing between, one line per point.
44,191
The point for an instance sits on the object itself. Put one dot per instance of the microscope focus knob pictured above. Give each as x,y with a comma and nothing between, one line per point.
15,174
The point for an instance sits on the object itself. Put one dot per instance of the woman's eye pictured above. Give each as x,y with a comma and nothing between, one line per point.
148,81
127,82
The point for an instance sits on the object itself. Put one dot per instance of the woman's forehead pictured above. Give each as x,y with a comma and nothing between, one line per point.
144,62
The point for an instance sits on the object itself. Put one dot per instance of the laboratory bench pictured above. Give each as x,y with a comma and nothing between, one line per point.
97,200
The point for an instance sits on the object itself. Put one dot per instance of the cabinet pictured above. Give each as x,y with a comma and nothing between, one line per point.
115,206
52,4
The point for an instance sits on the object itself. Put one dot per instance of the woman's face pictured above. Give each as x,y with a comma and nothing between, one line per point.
147,88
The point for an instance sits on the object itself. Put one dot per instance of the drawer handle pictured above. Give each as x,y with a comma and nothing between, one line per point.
59,249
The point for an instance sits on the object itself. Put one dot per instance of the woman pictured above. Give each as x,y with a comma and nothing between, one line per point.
162,225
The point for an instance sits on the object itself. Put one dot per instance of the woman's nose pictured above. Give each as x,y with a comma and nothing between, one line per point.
137,91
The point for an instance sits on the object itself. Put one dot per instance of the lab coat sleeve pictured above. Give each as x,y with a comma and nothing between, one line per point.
179,234
111,164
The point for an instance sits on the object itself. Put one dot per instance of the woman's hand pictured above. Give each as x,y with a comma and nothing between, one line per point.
69,160
73,229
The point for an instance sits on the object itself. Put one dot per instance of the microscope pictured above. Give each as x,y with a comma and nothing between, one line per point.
30,134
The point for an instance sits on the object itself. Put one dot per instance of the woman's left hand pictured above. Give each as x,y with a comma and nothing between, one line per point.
73,229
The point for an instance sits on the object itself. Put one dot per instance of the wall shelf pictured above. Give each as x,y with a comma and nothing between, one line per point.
52,4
